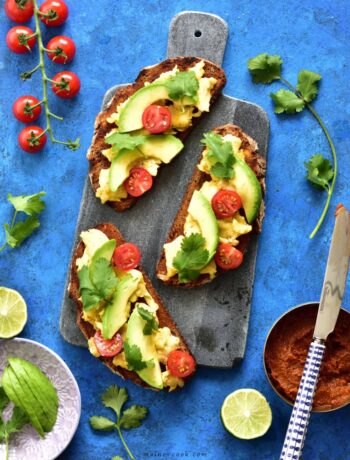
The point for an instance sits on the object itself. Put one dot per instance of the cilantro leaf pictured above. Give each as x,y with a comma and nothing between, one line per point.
121,141
102,423
134,358
181,85
265,67
132,417
308,84
221,153
191,258
29,204
17,421
114,398
21,231
151,322
287,101
319,171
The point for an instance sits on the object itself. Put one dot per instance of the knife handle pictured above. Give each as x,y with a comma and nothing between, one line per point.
299,420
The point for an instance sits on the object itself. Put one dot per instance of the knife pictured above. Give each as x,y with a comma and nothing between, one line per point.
328,311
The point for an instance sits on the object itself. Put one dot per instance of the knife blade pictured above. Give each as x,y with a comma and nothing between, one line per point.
335,276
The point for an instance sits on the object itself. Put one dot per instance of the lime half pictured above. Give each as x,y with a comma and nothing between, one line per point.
13,313
246,414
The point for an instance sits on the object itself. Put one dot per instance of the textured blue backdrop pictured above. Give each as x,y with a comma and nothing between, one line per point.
114,40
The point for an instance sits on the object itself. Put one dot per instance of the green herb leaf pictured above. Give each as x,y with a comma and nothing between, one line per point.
89,295
221,154
29,204
114,398
102,423
191,258
132,417
308,84
121,141
17,421
151,322
265,68
4,400
181,85
20,231
287,101
134,358
319,171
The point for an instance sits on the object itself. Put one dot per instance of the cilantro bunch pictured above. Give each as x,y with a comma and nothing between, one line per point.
266,68
114,398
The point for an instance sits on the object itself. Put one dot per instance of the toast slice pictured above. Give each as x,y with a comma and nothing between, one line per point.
257,163
97,161
165,320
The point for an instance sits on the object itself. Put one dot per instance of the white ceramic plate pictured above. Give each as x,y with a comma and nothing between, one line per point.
27,445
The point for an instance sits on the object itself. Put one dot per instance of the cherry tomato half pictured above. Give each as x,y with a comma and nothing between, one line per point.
108,348
227,257
53,12
23,111
28,139
180,363
67,85
19,10
17,39
226,203
156,119
138,182
61,49
126,256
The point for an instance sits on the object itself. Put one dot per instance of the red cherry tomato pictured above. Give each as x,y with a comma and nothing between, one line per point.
28,139
108,348
17,39
180,363
126,256
226,203
227,257
53,12
156,119
138,182
22,109
67,85
19,11
62,49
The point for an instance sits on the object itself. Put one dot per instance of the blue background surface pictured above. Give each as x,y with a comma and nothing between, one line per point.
114,40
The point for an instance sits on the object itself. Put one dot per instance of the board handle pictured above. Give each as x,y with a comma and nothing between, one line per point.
192,33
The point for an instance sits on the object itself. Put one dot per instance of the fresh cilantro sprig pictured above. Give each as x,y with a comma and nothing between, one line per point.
191,258
151,322
120,141
266,68
134,358
114,398
183,84
221,154
19,231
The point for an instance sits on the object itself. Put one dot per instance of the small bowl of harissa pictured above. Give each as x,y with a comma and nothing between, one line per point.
285,353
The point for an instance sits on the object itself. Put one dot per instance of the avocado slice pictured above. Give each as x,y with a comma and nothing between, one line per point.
130,117
201,211
248,187
121,165
135,336
104,252
162,147
117,311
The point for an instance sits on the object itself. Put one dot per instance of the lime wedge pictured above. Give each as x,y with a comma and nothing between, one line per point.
13,313
246,414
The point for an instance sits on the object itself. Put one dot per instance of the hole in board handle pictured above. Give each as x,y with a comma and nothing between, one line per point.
198,33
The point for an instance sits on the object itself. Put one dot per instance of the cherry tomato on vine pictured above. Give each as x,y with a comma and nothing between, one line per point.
226,203
53,12
17,39
227,257
67,85
180,363
29,139
138,182
61,49
23,111
156,119
108,347
127,256
19,10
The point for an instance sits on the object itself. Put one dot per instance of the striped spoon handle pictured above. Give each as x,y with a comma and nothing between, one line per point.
299,420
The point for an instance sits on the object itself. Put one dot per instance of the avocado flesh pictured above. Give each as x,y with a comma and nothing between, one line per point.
120,167
130,118
202,212
248,187
104,252
135,336
162,147
117,311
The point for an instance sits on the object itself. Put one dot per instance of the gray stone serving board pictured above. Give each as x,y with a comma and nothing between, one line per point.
214,318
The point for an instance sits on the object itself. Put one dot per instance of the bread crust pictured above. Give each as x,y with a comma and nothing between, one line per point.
88,330
97,161
258,165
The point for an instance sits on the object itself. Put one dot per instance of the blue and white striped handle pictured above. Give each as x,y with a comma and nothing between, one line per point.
299,420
